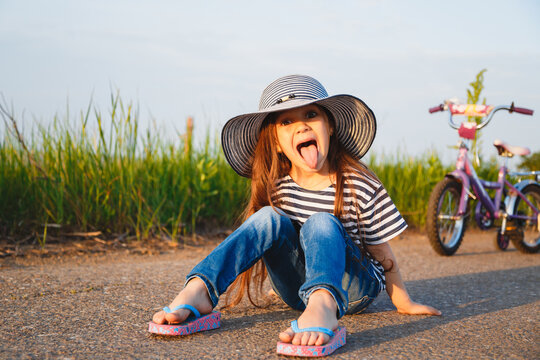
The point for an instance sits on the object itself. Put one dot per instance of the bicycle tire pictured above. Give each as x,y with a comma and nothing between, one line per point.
445,199
502,240
526,237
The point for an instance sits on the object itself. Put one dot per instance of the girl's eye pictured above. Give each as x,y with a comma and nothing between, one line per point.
285,122
311,114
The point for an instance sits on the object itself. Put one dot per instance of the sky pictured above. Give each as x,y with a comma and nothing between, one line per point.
212,59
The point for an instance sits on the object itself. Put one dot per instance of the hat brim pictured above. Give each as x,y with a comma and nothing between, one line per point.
355,129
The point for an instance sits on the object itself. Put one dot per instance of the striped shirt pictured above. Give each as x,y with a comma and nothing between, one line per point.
368,211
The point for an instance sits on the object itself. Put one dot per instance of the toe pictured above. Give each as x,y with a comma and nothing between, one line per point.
297,339
159,317
175,317
305,338
322,339
313,338
286,336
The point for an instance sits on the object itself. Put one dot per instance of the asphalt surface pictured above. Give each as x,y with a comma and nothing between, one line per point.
98,307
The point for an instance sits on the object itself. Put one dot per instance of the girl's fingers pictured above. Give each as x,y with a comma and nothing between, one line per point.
428,310
419,309
435,311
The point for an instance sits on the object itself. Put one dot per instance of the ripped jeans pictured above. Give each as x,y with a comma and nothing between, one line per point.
320,256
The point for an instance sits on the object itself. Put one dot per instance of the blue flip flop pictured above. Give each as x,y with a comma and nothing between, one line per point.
194,323
337,340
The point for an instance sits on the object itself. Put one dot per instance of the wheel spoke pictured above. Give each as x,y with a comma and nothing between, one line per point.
449,207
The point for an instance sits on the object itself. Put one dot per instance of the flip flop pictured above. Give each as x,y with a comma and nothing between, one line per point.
337,340
194,323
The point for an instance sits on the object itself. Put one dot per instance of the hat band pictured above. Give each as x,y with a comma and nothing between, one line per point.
285,98
303,88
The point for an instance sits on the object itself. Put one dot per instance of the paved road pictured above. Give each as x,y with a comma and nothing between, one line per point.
98,307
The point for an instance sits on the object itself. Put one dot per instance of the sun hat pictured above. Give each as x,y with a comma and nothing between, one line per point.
355,124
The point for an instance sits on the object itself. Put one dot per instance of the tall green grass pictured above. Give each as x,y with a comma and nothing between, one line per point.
83,175
409,181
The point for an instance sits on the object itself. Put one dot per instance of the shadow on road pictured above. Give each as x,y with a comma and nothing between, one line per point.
458,297
491,252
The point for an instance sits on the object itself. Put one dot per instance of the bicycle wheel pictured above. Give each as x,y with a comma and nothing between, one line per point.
526,237
445,230
502,240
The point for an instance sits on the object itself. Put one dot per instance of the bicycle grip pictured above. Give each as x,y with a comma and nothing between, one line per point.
523,110
436,108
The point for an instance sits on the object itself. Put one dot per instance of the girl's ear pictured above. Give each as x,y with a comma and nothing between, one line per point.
278,149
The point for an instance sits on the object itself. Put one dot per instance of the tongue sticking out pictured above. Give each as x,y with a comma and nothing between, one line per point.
310,154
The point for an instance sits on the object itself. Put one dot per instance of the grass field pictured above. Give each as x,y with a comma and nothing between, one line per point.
101,173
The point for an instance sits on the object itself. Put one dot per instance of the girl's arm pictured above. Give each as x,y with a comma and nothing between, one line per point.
394,284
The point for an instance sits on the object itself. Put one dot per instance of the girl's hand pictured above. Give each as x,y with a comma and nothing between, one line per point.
413,308
394,283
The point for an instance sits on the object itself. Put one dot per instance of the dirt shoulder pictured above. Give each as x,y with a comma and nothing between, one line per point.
96,249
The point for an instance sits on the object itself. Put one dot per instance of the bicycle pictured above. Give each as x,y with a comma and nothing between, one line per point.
448,206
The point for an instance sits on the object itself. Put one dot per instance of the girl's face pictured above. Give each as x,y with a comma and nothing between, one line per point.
303,136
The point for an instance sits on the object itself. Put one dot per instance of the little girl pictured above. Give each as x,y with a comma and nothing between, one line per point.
318,218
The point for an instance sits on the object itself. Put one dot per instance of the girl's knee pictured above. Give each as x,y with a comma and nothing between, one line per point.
266,212
323,222
323,227
270,219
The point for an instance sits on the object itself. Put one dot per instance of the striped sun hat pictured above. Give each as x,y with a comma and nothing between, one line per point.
354,120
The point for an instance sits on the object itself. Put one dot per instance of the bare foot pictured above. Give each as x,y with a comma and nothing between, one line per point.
321,312
194,294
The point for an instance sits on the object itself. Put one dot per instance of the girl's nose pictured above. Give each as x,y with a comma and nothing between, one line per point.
302,127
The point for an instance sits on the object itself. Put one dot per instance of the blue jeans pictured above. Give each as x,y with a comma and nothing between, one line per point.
320,256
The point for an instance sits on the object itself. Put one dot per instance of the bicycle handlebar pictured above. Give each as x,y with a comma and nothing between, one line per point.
522,110
511,109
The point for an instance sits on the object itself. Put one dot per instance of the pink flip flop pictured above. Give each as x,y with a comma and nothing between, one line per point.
337,340
194,323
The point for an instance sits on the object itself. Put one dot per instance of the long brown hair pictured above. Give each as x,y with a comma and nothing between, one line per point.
268,166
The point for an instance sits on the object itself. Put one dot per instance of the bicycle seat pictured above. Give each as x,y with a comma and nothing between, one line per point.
509,150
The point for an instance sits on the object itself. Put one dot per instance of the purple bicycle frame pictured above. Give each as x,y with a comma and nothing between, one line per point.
466,173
